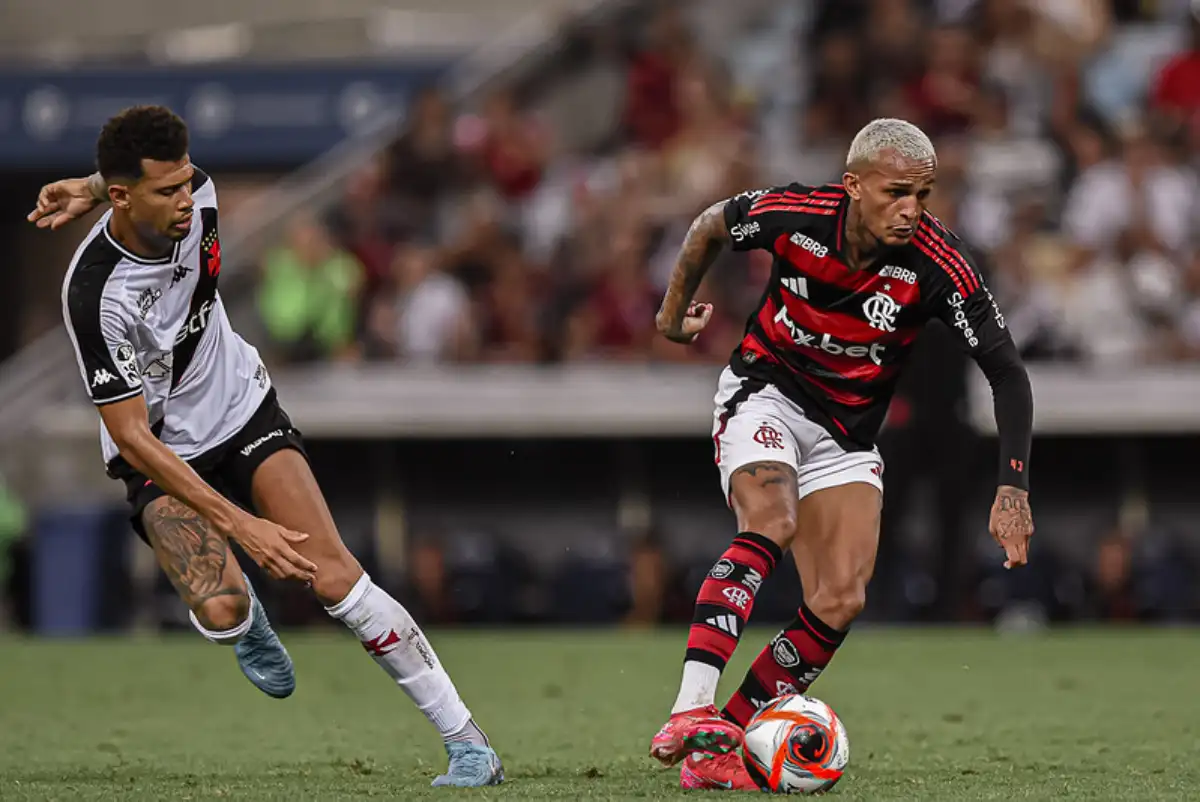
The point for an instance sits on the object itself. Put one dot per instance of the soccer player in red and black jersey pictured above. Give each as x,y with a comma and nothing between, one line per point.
859,268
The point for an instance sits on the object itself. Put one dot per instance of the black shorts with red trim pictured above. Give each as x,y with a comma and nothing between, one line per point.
229,468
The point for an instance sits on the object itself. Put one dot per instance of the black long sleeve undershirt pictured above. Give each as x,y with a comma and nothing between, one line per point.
1013,399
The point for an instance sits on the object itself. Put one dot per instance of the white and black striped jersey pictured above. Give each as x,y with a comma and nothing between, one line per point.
157,327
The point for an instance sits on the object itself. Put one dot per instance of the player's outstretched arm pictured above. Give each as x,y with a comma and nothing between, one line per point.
1011,522
63,201
963,302
679,319
268,544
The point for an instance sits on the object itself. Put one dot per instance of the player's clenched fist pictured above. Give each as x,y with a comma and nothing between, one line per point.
1011,524
686,330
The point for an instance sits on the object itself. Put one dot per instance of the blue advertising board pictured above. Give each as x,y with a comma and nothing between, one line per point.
273,116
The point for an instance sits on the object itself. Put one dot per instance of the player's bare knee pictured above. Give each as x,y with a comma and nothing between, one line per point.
838,603
764,498
224,612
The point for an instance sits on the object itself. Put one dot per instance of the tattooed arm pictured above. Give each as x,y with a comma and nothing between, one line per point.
751,220
268,544
678,318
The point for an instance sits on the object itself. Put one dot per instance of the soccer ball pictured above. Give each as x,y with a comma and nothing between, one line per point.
796,745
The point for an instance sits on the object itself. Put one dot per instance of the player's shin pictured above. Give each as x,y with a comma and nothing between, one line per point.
788,664
723,607
391,636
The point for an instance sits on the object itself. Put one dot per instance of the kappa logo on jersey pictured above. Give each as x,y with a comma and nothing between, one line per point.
960,319
196,324
809,244
828,344
796,286
181,272
743,230
102,377
881,310
147,299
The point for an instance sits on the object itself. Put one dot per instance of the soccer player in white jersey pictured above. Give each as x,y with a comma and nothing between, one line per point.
186,405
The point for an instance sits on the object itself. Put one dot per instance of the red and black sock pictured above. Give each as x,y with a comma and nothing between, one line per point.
788,664
727,596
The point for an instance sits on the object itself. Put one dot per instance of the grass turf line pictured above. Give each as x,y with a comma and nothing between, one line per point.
932,714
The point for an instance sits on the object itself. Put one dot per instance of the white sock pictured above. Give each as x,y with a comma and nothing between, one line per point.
698,687
400,648
229,636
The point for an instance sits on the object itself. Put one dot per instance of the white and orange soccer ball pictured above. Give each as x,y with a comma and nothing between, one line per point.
796,745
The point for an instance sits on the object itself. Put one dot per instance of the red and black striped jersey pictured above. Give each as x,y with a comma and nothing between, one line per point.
835,340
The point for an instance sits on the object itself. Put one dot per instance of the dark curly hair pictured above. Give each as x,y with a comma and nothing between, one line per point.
140,132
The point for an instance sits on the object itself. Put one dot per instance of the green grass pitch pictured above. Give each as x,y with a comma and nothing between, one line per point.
932,714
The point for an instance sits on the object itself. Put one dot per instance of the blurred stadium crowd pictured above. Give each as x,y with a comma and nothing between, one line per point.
542,225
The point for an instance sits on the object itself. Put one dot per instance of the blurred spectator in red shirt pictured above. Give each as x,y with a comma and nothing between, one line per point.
510,148
652,104
510,308
617,319
1175,95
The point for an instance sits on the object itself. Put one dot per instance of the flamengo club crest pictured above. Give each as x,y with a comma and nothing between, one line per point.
881,311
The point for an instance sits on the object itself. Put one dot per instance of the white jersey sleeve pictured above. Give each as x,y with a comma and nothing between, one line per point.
99,328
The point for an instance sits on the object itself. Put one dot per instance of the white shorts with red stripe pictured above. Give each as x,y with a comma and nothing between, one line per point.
755,422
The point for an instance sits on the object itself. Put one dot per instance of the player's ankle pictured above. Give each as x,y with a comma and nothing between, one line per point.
469,733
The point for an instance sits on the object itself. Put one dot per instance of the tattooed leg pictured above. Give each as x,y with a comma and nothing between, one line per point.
764,496
199,563
207,577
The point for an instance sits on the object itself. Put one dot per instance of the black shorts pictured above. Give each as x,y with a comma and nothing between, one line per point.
229,468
